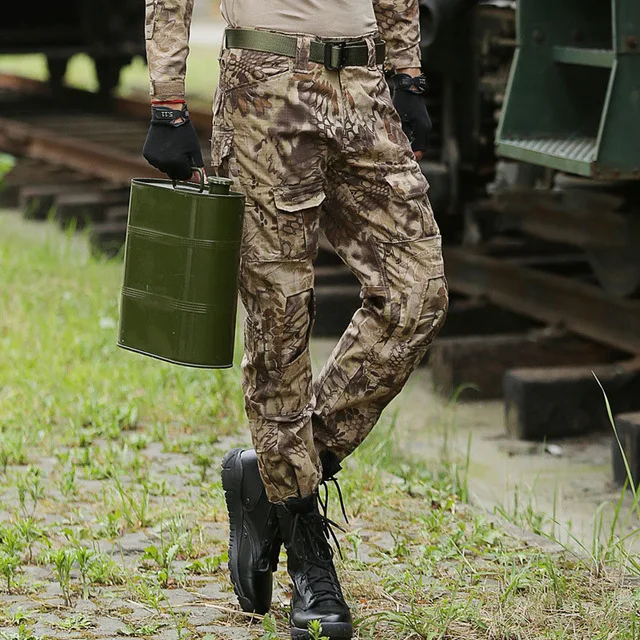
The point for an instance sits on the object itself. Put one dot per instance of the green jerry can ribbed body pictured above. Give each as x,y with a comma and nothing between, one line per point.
182,257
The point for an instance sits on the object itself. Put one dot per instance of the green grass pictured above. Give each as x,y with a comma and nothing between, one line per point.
98,445
61,372
201,79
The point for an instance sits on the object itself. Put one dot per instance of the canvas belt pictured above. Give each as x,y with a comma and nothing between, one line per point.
334,54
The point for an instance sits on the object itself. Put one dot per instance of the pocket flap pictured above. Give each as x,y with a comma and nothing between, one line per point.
292,199
409,183
221,143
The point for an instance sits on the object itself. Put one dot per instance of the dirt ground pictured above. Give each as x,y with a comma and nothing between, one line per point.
522,478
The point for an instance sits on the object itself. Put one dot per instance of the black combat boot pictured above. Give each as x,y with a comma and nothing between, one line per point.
254,538
316,591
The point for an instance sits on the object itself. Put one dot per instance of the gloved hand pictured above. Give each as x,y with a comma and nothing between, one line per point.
408,99
172,143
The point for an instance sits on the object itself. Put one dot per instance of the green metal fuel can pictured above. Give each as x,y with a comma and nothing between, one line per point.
181,265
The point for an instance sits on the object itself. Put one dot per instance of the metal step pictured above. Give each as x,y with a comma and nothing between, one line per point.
585,57
575,154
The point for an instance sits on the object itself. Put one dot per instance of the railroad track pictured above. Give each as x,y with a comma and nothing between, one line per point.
76,154
515,304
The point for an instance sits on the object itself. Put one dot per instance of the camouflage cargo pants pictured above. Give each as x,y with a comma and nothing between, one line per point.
312,149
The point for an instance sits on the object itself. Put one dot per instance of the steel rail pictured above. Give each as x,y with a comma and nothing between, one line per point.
137,109
581,308
114,165
102,160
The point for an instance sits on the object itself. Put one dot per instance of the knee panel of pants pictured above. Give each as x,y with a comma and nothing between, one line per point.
434,309
279,301
280,332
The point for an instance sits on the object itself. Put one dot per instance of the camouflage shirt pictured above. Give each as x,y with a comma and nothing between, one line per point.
168,23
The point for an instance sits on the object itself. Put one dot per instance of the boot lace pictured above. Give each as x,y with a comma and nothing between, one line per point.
325,503
312,533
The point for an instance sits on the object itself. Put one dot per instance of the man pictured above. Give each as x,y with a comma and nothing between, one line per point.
305,126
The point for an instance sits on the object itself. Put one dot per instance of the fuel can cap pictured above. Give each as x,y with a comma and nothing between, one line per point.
219,185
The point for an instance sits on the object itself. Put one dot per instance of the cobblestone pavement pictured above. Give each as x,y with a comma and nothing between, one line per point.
119,594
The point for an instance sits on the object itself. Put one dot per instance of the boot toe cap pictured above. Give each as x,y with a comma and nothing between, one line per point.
336,616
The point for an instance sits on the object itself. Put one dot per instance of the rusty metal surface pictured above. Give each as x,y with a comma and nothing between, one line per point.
137,109
581,308
574,217
92,158
83,137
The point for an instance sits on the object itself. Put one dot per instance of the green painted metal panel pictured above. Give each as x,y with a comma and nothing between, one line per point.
626,26
182,255
574,91
620,144
588,57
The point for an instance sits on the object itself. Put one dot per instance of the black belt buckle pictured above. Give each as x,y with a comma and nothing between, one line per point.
334,56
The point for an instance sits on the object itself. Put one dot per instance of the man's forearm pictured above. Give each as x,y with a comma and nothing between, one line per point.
399,25
167,27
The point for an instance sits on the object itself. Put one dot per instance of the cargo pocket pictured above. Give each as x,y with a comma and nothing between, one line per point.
150,19
222,156
297,219
413,260
409,205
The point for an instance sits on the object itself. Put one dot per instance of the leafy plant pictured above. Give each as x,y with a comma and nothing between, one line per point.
356,542
24,633
67,483
18,616
10,549
207,565
269,627
85,558
30,532
103,570
204,461
62,560
163,557
141,630
75,622
29,484
315,630
135,505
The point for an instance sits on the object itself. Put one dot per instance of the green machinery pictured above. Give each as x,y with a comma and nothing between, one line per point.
573,98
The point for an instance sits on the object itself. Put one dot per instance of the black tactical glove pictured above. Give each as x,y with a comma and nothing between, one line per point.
408,99
172,143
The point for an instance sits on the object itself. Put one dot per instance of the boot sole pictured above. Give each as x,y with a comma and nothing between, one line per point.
333,631
232,483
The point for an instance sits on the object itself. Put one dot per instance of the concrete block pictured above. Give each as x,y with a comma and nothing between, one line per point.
565,401
628,428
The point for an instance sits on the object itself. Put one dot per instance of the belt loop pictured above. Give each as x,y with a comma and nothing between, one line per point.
371,53
303,48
